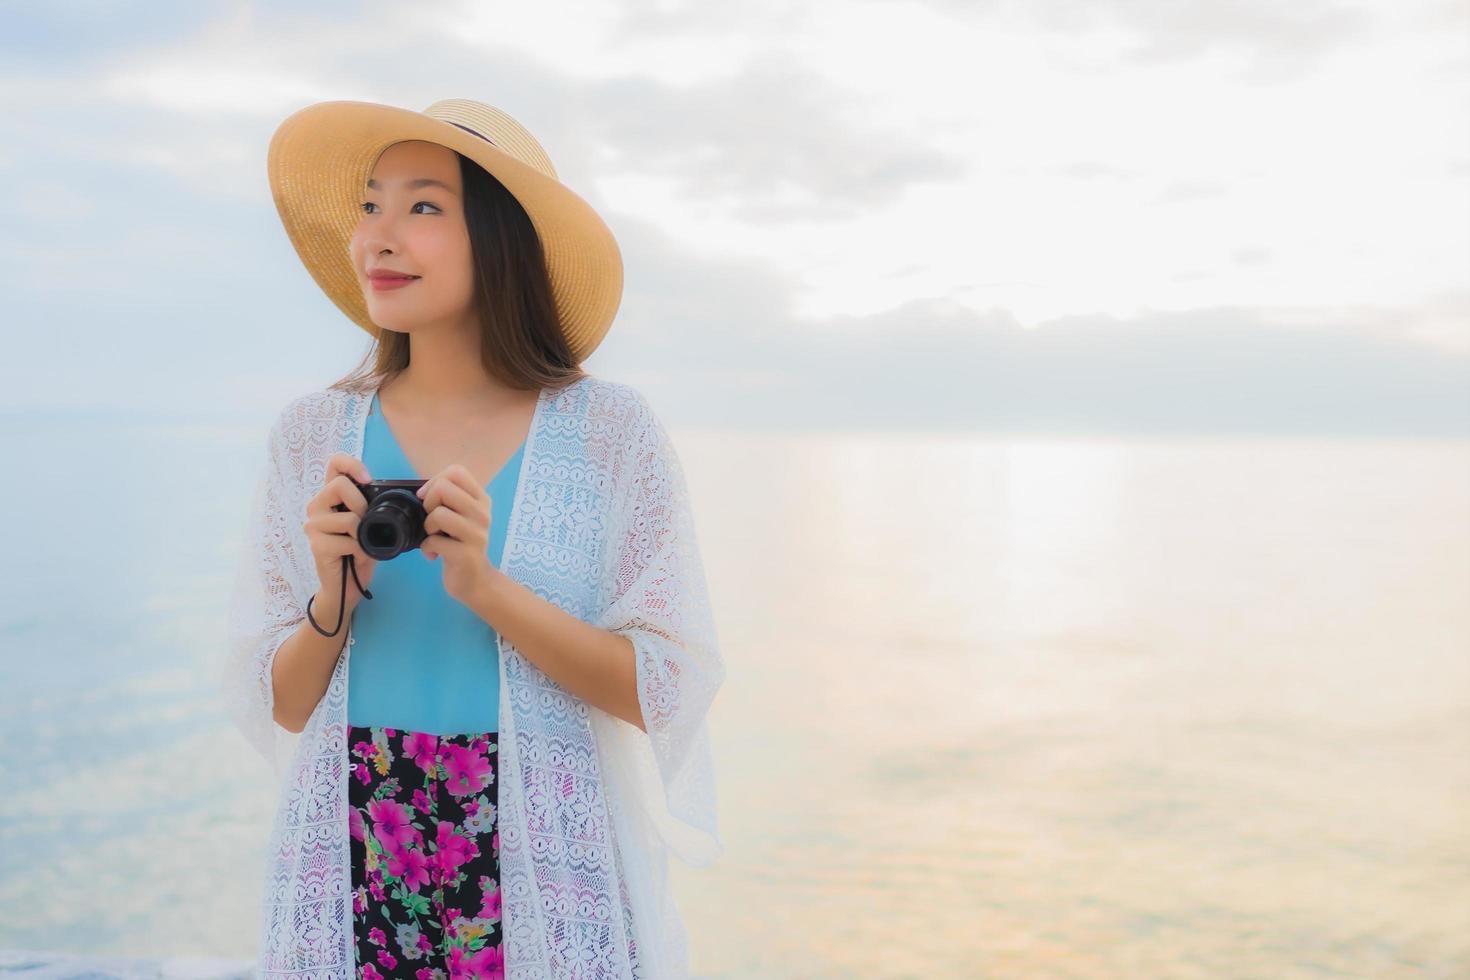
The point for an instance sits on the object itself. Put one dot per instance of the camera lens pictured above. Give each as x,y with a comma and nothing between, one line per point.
393,524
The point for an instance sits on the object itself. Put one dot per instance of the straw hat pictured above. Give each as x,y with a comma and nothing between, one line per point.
319,162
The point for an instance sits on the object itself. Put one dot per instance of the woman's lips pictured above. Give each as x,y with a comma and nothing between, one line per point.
383,283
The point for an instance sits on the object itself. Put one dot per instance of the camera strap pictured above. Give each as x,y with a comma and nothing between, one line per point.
342,602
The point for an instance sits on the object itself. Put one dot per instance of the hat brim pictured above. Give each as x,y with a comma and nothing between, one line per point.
319,161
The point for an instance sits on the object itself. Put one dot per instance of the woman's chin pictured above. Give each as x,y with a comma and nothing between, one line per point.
391,319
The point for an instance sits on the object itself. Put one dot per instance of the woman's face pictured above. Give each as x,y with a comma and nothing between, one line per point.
417,229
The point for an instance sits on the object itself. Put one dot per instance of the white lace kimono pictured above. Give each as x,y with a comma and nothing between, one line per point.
588,804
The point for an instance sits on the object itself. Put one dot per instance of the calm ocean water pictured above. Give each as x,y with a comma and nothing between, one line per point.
996,707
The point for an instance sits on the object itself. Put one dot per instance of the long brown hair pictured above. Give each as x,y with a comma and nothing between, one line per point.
521,343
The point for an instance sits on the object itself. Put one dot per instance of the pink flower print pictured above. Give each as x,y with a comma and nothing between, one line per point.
454,849
427,973
421,801
354,824
421,748
388,960
391,824
489,899
465,771
360,770
377,936
495,843
369,973
411,867
359,900
487,964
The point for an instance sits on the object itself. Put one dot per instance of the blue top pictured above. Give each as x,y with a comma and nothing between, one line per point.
421,660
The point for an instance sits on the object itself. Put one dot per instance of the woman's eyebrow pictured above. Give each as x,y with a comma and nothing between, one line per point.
414,184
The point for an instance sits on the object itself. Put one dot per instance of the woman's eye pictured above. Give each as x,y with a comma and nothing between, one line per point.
370,204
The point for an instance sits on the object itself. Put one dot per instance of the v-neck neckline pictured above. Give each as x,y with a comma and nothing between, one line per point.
375,408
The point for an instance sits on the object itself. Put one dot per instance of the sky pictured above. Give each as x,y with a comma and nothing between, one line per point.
1118,216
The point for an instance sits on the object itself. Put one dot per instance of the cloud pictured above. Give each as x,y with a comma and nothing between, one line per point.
779,139
718,343
1224,371
762,170
772,137
715,339
1279,41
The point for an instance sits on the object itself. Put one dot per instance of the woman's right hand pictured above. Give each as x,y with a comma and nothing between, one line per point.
333,533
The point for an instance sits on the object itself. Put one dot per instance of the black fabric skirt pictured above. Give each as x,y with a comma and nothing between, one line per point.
425,846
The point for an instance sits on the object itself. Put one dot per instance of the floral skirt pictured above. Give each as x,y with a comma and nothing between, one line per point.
425,854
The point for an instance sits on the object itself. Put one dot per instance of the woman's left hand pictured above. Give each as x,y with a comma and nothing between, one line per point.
458,529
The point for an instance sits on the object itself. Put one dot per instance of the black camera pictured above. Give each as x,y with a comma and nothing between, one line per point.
394,520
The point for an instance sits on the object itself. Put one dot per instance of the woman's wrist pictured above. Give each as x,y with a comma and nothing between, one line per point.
329,596
490,595
322,603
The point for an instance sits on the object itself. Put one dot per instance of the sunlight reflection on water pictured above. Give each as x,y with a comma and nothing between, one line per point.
995,708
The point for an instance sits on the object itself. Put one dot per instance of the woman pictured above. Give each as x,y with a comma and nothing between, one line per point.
492,788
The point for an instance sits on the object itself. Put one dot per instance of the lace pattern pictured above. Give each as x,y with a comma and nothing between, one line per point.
601,526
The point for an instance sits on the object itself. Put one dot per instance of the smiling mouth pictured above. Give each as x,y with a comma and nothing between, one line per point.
390,284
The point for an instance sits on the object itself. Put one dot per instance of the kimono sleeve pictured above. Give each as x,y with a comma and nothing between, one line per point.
265,607
659,599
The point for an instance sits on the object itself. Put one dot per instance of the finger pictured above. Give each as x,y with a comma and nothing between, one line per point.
333,524
339,487
346,492
339,522
434,544
338,490
442,520
343,463
457,498
454,474
334,546
461,475
437,544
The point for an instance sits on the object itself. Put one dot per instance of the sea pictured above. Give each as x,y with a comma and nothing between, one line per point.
997,706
